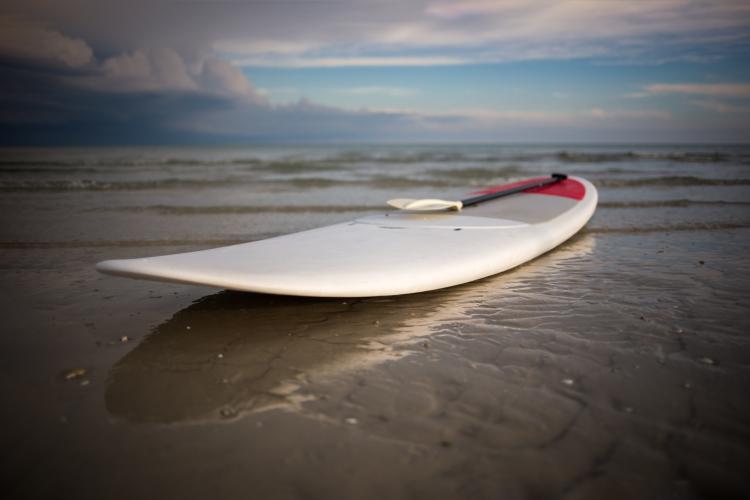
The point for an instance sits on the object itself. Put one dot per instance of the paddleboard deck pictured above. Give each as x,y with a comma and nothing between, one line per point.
393,253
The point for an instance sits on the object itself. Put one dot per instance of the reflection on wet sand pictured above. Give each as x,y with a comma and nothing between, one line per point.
231,353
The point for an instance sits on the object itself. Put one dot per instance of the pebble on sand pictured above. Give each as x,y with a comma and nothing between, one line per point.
228,412
75,373
351,421
568,381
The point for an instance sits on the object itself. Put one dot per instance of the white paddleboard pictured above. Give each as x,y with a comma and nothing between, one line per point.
393,253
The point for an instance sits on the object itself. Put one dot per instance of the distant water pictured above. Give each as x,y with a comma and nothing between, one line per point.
236,193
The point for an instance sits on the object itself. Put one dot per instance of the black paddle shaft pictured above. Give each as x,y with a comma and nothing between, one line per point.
507,192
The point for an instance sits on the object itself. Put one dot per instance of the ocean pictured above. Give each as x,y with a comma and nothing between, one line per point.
616,363
240,193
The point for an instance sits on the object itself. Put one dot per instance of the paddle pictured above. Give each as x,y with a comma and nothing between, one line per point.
435,204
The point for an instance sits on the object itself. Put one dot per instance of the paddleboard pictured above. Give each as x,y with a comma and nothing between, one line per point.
392,253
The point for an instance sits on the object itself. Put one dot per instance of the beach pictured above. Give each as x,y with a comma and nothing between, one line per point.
617,365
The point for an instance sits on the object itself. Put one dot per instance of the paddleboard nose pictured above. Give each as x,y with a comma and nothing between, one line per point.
119,267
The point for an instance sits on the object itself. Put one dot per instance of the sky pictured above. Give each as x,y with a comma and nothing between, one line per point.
103,72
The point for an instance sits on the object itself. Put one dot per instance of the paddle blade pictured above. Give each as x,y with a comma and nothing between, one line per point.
424,205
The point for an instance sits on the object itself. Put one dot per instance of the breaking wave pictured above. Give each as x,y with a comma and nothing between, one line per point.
334,161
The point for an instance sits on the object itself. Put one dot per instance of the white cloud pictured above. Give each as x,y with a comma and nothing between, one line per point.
487,119
407,33
515,116
453,10
222,77
381,90
280,93
267,47
486,31
580,20
721,107
144,70
648,114
337,62
164,69
732,90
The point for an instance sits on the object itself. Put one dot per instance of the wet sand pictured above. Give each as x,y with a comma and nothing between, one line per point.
616,366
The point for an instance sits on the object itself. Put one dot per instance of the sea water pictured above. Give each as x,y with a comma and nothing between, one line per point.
236,193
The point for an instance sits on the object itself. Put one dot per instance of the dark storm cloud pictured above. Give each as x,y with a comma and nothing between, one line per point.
43,109
83,72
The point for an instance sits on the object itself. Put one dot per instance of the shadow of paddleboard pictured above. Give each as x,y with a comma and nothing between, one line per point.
231,353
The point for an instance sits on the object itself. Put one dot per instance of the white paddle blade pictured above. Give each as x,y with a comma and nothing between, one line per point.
424,205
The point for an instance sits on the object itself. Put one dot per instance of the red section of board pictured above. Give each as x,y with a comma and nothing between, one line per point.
569,188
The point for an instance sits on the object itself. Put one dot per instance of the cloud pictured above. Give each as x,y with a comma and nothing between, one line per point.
454,10
35,43
144,69
220,76
56,88
380,90
721,107
303,120
503,120
488,31
732,90
344,62
163,69
715,95
648,114
265,47
412,33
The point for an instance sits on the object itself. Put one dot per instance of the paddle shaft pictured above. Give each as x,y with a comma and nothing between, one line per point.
507,192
